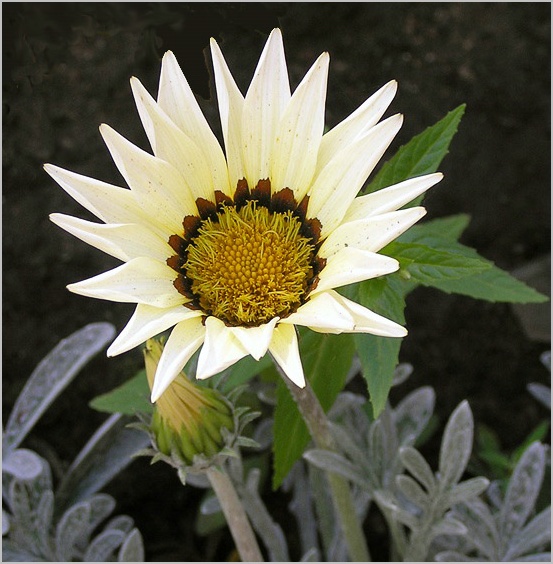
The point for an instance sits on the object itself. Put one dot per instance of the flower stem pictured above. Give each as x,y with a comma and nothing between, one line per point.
236,517
317,423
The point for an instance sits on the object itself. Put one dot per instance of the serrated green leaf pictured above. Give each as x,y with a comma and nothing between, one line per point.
438,259
492,285
326,362
379,355
450,227
130,398
422,155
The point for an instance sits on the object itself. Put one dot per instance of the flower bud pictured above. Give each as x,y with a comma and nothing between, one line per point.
188,418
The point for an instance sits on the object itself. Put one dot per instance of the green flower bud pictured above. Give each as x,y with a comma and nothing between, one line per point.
188,418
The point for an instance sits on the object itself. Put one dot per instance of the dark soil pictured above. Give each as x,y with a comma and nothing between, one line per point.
66,68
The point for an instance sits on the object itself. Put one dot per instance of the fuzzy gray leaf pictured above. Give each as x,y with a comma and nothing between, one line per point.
103,546
456,444
348,445
312,555
411,489
386,500
5,523
467,490
523,490
448,526
121,523
539,557
536,535
132,549
101,506
43,523
482,532
453,556
412,414
72,526
333,462
413,460
23,464
13,552
541,393
50,378
107,452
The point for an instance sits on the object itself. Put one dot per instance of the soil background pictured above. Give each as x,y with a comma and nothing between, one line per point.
66,69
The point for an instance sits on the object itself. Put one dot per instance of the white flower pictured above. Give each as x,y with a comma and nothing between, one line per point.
234,249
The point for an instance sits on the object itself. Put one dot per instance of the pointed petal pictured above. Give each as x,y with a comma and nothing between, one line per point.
170,144
109,203
158,187
357,123
367,321
266,99
177,100
371,234
391,198
353,265
221,349
141,281
185,339
147,322
342,178
300,132
284,349
255,339
322,313
231,102
123,241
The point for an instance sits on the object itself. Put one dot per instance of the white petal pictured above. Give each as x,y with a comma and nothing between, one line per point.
367,321
342,178
357,123
185,339
284,349
141,281
266,99
370,234
177,100
231,102
353,265
147,322
109,203
159,188
391,198
322,313
171,144
300,132
256,339
221,349
123,241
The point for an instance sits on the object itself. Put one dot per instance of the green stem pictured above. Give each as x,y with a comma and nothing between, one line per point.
317,423
236,517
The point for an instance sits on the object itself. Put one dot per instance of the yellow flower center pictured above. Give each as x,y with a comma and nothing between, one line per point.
249,265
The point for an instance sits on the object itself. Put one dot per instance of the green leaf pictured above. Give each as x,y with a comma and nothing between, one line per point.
129,398
492,285
451,228
438,259
379,356
326,362
422,155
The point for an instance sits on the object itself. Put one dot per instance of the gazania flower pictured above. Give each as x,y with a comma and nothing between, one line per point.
233,249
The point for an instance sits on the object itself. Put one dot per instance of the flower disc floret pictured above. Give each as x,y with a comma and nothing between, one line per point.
249,265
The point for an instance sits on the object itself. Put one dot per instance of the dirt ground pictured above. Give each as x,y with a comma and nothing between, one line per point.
65,70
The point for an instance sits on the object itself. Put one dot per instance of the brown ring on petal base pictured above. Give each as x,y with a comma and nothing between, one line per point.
250,258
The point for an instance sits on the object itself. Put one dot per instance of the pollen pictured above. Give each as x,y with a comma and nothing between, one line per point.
246,266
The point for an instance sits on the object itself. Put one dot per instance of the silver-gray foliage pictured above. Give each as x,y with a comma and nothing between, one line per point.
38,525
34,535
434,515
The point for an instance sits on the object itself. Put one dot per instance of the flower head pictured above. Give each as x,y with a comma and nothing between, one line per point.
233,249
188,419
